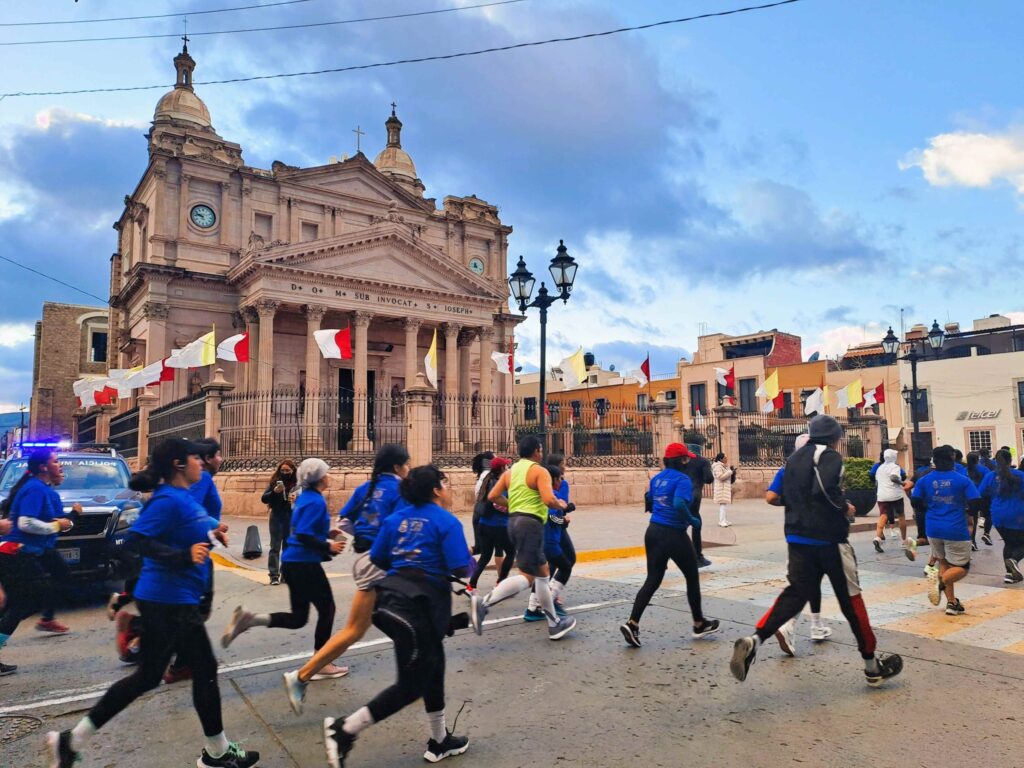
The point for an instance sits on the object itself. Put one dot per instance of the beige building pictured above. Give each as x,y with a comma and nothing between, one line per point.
206,240
71,342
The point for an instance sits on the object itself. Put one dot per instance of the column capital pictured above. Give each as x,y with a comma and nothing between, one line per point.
225,185
314,312
267,308
412,323
154,311
486,333
250,314
467,336
451,330
361,318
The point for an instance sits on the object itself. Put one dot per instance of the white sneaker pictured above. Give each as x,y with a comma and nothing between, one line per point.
330,672
787,637
296,690
725,524
878,544
934,586
820,632
895,535
241,620
910,548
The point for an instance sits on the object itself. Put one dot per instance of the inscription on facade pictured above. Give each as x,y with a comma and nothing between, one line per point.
978,415
390,301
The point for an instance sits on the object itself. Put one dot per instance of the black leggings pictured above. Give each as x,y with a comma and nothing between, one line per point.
568,548
307,584
167,629
29,589
419,655
1013,543
698,545
489,539
560,566
663,544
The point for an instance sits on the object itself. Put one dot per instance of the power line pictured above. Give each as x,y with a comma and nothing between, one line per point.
265,29
155,16
444,57
51,277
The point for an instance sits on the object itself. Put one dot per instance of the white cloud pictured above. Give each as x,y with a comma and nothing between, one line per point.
16,334
835,341
971,159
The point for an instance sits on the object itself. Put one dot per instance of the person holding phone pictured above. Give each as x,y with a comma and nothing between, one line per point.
278,498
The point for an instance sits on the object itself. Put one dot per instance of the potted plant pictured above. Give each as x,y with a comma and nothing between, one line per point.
860,488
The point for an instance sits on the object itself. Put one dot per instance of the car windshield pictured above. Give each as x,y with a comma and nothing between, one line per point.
80,474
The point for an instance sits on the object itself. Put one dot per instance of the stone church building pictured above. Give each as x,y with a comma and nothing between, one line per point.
206,240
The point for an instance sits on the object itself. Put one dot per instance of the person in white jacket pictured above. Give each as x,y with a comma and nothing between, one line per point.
889,480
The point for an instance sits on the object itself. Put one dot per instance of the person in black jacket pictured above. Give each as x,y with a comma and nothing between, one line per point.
278,497
698,469
817,527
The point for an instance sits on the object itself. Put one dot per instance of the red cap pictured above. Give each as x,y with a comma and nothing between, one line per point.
677,451
499,462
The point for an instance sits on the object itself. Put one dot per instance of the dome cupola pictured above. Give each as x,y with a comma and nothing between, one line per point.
182,103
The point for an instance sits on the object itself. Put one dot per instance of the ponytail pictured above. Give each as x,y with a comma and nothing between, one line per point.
388,457
1009,483
145,480
973,459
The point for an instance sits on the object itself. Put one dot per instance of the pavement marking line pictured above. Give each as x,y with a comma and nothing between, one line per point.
95,691
936,624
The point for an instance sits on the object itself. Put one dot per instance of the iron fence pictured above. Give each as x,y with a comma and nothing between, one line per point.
183,418
464,425
767,440
124,433
87,428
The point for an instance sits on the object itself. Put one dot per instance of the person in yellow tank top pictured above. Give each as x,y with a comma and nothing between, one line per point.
528,486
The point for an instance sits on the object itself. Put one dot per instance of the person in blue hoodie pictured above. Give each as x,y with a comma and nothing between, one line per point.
370,505
173,535
312,542
671,493
1004,490
420,547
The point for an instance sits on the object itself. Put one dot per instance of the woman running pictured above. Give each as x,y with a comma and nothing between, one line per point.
977,472
371,504
1004,490
671,493
311,543
278,497
173,535
492,531
562,492
420,547
481,469
722,487
37,516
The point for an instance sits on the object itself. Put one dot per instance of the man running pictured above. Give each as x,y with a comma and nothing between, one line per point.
817,529
889,479
528,485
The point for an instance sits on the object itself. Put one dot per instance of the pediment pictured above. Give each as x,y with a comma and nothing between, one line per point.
356,176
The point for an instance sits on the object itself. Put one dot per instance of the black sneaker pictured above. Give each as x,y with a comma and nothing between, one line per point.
703,562
974,546
631,633
452,745
987,539
235,757
59,747
337,743
744,653
705,629
888,666
7,669
956,608
1013,570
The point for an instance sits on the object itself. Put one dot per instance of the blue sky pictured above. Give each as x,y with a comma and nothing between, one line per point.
813,168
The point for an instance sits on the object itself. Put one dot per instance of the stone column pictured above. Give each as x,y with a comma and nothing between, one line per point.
412,352
215,391
419,400
871,435
360,432
451,386
729,432
265,311
247,222
466,338
293,222
148,400
661,416
103,422
156,341
486,403
314,315
225,212
183,184
248,377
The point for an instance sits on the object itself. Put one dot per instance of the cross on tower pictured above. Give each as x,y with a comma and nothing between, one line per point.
393,108
184,38
359,134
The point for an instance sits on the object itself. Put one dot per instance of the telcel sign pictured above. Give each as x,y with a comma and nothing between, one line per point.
978,415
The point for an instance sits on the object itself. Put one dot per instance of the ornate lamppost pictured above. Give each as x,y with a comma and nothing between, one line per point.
891,346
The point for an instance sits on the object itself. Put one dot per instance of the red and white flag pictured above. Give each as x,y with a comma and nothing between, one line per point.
644,374
727,378
503,361
151,375
335,344
234,348
874,396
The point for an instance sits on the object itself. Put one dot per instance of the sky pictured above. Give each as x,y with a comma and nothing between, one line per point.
815,167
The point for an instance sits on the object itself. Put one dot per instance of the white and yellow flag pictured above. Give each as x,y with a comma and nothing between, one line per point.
430,362
574,370
196,354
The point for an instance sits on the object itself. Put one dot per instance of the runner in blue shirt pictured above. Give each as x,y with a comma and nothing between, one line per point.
1004,490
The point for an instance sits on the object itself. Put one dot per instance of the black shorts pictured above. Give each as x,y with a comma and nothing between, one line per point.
527,535
891,509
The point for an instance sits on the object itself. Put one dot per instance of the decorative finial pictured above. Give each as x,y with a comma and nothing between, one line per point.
184,38
393,108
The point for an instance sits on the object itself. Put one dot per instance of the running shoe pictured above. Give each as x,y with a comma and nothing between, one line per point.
986,539
452,745
820,633
956,608
235,757
910,549
707,628
477,613
878,545
894,535
52,626
703,562
565,625
275,581
295,689
888,666
1013,570
175,674
787,638
533,614
929,569
241,620
330,672
7,669
744,653
117,601
337,743
974,546
934,585
560,609
726,524
59,747
631,632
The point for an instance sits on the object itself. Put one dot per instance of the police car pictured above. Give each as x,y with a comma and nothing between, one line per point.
96,477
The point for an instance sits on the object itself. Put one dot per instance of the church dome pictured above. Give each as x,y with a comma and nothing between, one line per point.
182,103
393,159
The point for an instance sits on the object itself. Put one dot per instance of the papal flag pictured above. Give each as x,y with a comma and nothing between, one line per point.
574,370
770,391
430,362
199,353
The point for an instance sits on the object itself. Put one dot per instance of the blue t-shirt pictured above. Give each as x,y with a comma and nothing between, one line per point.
173,517
960,469
205,492
562,492
495,516
776,484
427,538
37,500
670,489
984,472
368,514
553,534
1007,510
946,495
310,517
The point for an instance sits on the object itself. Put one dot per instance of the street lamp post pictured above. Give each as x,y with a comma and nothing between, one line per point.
891,346
563,274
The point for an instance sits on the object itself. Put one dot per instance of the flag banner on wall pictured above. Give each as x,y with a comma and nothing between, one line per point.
815,402
770,391
503,361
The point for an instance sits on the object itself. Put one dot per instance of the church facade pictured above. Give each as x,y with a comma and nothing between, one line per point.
206,240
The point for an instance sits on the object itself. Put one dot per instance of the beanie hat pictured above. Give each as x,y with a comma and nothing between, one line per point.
824,429
677,451
311,472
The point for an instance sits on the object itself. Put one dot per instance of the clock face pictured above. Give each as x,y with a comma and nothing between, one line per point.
203,216
477,266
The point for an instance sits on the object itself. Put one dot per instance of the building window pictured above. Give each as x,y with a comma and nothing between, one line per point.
309,231
698,399
577,408
748,398
979,440
1018,343
601,405
593,378
263,225
1020,399
530,409
641,402
922,405
786,412
98,347
670,395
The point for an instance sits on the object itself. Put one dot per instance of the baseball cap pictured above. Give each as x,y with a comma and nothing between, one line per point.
499,462
677,451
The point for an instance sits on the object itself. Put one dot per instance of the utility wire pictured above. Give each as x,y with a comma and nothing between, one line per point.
266,29
419,60
51,277
156,16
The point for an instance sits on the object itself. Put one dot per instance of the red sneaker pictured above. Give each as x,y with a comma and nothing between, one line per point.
53,626
177,674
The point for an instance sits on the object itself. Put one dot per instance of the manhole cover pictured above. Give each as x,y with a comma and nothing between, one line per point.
14,727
